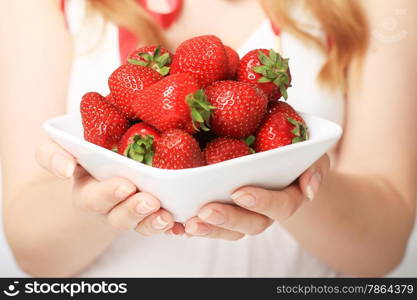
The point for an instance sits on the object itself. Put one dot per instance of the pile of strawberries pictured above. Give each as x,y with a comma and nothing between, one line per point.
165,108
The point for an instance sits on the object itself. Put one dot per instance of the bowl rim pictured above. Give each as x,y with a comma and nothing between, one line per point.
51,129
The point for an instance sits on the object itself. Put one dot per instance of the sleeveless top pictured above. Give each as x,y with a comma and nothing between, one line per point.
274,253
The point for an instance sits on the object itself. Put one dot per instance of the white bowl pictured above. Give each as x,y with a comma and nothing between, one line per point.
183,192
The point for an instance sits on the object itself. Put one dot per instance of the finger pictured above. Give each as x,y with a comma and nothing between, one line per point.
277,205
234,218
177,229
129,213
158,222
56,160
310,180
196,227
101,196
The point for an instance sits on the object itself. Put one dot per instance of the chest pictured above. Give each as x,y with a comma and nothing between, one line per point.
233,21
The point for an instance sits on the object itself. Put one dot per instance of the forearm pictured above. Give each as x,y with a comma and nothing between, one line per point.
47,235
358,225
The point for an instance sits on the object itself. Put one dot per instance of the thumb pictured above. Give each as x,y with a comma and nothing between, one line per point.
56,160
311,179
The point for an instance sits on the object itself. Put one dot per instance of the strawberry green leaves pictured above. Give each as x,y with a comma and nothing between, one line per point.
141,149
157,61
300,131
201,110
249,141
274,69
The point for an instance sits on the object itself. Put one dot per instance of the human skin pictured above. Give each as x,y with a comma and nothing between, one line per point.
362,209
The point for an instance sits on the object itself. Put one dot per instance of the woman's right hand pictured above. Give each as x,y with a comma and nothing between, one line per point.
116,200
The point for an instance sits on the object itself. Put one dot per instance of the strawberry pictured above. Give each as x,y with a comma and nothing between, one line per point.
224,148
109,98
233,62
268,70
204,57
155,57
103,123
137,143
240,107
174,102
283,107
176,149
126,82
282,127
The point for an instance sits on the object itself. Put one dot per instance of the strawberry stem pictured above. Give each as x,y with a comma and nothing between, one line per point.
141,149
300,131
274,69
249,141
201,110
155,61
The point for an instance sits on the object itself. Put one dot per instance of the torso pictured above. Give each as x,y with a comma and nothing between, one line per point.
274,253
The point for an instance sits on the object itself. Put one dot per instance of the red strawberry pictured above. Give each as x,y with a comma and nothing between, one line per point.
283,107
126,82
268,70
204,57
240,107
103,123
155,57
176,149
224,148
174,102
233,62
137,143
109,99
283,127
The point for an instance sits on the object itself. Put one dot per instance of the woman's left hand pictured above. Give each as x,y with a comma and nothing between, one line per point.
256,208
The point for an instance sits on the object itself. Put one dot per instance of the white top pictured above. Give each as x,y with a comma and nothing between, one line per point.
275,253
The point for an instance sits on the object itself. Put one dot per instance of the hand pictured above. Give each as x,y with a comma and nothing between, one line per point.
257,208
115,200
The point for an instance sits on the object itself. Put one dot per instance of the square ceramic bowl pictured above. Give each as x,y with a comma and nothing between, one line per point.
183,192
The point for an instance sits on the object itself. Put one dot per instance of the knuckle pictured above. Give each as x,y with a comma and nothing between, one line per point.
117,223
83,202
131,210
264,202
230,217
143,231
260,226
93,205
288,209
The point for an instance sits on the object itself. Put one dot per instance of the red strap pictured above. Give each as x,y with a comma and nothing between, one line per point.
165,20
127,43
275,28
277,31
62,7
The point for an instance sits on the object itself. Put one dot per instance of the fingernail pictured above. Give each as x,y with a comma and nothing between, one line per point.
212,216
62,166
197,229
144,207
243,199
123,191
159,223
313,186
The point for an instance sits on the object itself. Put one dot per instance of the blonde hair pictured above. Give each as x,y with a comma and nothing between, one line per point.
343,21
